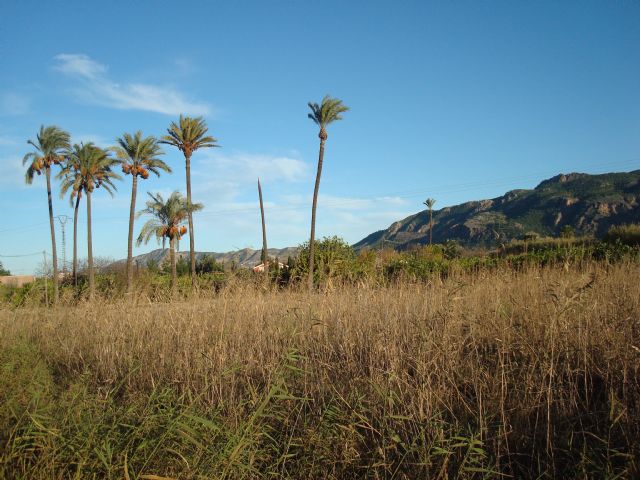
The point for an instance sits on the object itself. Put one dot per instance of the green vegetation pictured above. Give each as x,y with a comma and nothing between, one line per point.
4,271
624,234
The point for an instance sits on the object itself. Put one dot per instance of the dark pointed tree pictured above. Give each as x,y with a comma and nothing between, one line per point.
167,223
329,110
139,155
50,145
265,254
430,202
189,135
94,168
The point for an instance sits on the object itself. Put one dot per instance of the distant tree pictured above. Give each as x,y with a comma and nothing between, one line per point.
208,264
567,232
50,145
168,222
138,156
328,111
430,202
4,271
188,135
91,168
334,258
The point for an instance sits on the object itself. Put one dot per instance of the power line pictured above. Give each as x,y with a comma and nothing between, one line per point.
22,255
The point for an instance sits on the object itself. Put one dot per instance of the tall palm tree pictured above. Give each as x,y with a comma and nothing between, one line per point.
138,156
71,179
430,202
188,135
50,144
167,222
329,110
93,167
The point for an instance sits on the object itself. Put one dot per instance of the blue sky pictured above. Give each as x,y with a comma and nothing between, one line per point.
454,100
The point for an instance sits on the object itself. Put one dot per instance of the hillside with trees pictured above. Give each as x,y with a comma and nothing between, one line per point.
575,203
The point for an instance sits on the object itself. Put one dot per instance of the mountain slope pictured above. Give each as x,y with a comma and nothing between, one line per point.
587,203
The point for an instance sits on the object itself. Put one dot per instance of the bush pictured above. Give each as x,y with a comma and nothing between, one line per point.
624,234
208,264
334,259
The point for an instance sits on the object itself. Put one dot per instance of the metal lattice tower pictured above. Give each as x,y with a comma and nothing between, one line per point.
63,220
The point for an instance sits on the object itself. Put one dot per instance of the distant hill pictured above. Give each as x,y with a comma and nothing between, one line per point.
590,204
246,257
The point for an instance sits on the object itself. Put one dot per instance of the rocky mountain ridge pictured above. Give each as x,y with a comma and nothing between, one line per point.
589,204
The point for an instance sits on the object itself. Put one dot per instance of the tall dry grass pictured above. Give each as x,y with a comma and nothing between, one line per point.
530,374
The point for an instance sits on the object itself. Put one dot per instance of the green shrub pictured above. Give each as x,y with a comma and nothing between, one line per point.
334,259
625,234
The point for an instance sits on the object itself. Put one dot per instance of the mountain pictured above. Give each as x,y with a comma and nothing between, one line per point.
243,258
589,204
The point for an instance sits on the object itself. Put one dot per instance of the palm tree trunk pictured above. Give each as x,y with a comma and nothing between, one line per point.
192,242
174,272
132,213
313,214
75,240
92,280
53,236
264,229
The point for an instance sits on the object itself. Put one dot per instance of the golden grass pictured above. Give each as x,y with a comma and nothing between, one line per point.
528,374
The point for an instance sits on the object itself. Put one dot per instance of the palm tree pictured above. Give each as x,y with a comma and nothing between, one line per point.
188,135
50,144
138,156
167,222
430,202
91,168
329,110
71,179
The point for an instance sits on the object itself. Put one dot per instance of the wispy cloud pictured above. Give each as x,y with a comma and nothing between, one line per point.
227,175
12,103
335,202
97,88
12,172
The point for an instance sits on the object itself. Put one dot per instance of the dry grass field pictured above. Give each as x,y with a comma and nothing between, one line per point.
503,374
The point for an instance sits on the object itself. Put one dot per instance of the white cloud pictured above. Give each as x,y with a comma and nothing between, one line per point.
97,88
12,103
247,166
335,202
224,177
12,172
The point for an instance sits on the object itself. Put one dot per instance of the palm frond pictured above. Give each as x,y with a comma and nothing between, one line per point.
189,134
329,110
